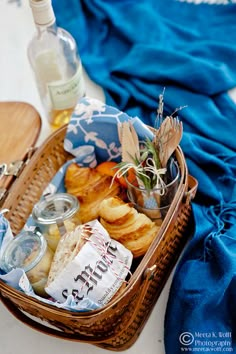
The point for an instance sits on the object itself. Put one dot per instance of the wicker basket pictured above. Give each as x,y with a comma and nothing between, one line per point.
117,325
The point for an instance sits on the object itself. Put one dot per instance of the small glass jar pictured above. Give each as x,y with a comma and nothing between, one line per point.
29,251
55,215
155,202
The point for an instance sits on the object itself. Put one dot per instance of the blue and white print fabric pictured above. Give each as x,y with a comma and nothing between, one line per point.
95,123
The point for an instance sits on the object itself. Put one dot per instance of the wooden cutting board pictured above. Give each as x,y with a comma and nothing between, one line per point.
20,125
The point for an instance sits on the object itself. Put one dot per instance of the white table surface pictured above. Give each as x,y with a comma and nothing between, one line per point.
17,84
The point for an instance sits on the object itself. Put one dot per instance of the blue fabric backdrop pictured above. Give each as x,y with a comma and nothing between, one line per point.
134,49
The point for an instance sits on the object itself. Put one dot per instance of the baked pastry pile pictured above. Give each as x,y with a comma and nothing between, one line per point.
91,188
126,225
100,199
106,219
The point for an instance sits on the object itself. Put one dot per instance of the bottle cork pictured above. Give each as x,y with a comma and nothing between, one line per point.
42,12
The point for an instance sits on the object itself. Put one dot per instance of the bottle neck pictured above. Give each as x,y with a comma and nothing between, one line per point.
42,29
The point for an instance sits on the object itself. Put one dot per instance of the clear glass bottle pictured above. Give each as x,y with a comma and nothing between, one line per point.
56,64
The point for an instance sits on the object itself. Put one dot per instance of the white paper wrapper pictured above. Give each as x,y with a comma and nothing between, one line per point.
96,273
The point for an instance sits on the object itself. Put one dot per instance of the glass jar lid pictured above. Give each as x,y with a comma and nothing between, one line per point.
55,207
24,251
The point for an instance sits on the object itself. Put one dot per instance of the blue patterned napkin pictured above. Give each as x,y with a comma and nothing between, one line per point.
94,123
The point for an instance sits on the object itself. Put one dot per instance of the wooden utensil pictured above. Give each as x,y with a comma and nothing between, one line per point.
129,141
168,137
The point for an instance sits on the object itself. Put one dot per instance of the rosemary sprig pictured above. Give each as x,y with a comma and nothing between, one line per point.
151,150
147,168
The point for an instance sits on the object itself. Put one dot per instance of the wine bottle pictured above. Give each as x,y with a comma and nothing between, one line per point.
56,64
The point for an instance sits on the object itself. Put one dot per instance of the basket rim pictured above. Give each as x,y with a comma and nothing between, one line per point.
139,271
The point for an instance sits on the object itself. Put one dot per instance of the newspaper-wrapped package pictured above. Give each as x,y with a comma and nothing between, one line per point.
88,264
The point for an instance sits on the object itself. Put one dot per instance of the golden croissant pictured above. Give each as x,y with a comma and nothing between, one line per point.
91,188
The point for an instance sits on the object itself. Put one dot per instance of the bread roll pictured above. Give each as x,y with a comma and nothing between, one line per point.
68,247
87,264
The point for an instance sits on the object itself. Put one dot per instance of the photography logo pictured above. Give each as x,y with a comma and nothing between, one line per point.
212,341
186,338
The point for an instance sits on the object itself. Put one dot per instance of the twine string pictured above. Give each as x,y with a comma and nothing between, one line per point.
102,247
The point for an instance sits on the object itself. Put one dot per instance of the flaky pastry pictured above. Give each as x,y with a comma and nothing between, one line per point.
91,188
136,231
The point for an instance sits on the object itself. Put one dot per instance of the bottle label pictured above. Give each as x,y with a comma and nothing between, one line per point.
65,95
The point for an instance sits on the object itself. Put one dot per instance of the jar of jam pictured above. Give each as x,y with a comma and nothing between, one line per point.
55,215
30,252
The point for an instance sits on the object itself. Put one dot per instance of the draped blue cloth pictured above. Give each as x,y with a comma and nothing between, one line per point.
134,49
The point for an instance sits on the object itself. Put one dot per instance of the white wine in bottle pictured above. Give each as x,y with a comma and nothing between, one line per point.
55,61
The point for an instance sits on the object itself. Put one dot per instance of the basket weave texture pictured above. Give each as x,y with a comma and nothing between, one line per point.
117,325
